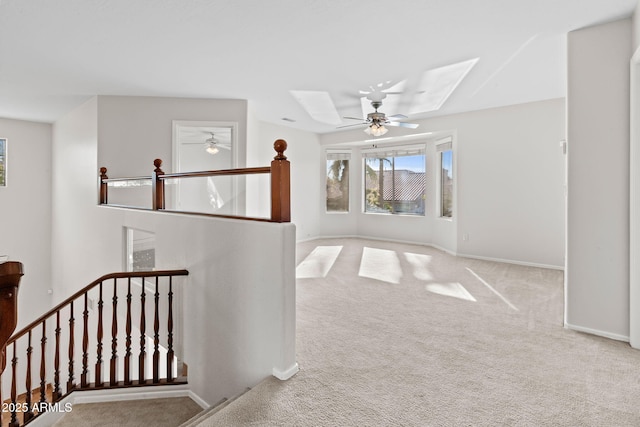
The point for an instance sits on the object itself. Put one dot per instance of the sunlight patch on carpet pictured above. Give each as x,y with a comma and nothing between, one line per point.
380,264
318,263
420,264
455,290
506,301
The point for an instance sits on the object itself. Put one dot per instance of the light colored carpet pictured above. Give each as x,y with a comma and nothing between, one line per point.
165,412
377,353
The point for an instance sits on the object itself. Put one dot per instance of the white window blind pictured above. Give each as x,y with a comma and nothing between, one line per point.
378,153
338,155
444,144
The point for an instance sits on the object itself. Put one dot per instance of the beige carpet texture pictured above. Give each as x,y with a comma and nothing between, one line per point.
166,412
400,335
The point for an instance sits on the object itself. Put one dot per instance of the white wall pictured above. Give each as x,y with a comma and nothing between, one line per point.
634,185
307,188
78,243
597,272
239,300
25,212
509,176
135,130
635,22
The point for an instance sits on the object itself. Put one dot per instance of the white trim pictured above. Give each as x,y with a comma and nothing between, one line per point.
133,393
286,374
443,249
634,202
175,152
513,261
444,144
175,161
597,332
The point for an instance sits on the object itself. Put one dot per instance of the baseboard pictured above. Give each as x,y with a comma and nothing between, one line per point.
597,332
286,374
133,393
443,249
511,261
200,401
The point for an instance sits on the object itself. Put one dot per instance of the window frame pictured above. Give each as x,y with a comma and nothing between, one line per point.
335,155
4,160
393,152
443,146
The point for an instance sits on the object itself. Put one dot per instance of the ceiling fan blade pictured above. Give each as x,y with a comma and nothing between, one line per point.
356,124
353,118
403,125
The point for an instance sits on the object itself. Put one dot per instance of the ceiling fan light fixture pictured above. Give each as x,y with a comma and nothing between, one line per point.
376,130
212,145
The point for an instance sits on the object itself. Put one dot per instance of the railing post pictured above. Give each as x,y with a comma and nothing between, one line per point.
157,186
10,274
280,184
103,185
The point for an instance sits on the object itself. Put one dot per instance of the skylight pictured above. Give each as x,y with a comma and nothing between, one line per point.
438,84
319,105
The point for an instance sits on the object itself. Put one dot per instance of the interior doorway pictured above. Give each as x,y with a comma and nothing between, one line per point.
201,146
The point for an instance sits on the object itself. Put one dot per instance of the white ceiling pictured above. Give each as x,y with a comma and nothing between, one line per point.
56,54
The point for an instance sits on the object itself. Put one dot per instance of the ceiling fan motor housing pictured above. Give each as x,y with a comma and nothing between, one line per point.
376,117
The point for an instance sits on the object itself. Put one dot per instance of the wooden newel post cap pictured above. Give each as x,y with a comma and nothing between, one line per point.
10,274
103,172
157,163
280,146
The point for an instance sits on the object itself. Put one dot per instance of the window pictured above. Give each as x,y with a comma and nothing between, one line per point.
395,181
3,162
140,250
446,178
338,181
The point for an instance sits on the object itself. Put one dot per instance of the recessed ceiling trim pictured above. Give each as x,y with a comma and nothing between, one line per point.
319,105
438,84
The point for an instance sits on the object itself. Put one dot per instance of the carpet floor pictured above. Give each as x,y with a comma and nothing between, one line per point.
165,412
392,334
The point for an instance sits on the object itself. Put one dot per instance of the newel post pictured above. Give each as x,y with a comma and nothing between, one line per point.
280,184
103,185
10,274
157,186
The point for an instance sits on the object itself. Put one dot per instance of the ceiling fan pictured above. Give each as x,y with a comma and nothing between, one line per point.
377,121
212,144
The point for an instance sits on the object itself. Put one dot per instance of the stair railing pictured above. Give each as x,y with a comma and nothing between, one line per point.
78,323
10,274
280,185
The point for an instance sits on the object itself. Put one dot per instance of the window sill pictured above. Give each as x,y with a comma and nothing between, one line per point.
404,215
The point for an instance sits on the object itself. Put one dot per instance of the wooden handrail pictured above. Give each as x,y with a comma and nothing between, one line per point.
105,371
134,178
119,275
10,274
280,185
241,171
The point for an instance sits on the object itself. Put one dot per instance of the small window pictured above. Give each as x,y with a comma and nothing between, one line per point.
3,162
446,179
395,181
140,250
338,182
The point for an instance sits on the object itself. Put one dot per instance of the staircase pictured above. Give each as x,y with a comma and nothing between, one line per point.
68,350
